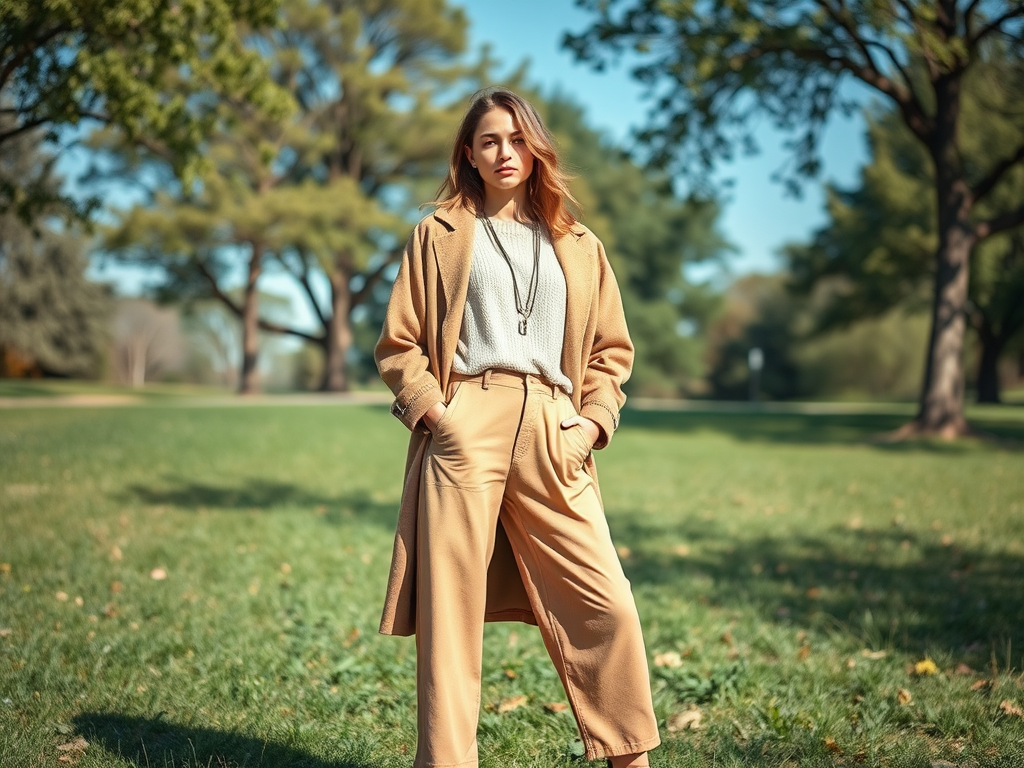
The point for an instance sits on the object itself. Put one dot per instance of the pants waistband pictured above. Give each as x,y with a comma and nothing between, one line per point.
501,377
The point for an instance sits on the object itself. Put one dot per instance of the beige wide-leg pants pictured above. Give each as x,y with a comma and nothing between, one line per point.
499,451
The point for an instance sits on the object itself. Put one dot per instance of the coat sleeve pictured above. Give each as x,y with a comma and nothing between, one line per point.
401,352
611,357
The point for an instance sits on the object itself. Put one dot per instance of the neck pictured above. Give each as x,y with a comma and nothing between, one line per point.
505,204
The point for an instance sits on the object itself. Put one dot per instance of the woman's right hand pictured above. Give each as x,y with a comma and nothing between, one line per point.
433,415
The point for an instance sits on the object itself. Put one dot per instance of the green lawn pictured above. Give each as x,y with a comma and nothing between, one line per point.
789,571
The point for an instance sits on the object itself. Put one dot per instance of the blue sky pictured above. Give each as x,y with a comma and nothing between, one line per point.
758,217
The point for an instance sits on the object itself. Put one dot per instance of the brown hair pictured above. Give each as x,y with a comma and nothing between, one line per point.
548,197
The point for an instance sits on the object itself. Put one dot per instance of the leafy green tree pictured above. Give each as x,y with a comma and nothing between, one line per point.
156,71
650,233
49,312
322,195
712,67
876,249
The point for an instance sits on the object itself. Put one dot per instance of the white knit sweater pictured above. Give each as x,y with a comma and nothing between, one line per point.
490,335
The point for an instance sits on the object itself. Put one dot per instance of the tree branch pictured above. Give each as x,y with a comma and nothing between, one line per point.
985,186
302,276
266,325
373,278
1001,223
215,287
994,25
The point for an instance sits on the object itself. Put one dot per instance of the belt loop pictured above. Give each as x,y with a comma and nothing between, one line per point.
554,390
486,383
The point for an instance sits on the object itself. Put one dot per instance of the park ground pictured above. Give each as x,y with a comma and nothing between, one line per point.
185,583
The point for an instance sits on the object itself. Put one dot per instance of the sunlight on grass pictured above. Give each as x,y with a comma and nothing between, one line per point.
201,587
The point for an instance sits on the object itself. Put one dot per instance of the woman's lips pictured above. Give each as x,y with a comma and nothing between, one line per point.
505,171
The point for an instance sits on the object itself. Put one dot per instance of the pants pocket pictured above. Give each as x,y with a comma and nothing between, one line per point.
455,389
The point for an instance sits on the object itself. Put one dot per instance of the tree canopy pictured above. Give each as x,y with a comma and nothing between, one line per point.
157,71
712,67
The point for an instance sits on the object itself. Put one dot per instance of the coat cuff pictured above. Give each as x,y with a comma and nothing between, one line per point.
606,418
409,410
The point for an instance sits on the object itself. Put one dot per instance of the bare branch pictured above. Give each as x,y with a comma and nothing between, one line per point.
985,186
216,289
373,278
266,325
302,277
998,224
995,25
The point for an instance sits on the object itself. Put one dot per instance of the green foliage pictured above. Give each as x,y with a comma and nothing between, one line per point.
792,564
49,311
650,234
155,71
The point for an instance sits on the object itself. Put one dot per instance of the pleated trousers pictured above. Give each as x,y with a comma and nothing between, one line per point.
499,452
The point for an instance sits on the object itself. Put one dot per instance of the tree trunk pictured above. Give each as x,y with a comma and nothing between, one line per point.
248,380
941,410
988,368
339,330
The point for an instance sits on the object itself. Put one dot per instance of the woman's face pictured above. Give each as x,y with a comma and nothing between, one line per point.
499,151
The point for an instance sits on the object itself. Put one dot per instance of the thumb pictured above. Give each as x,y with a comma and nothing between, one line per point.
572,421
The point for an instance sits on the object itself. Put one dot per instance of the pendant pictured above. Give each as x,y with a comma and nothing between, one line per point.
522,326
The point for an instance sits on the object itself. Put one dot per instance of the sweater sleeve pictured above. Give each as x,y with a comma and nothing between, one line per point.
611,357
401,352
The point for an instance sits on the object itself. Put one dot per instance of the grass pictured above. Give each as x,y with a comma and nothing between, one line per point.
789,573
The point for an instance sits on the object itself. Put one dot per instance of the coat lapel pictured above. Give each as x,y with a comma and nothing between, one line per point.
579,283
454,253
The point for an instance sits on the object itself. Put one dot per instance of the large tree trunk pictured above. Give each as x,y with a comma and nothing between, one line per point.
339,330
988,368
248,380
941,410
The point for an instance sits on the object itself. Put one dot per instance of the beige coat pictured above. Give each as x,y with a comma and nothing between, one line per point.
415,355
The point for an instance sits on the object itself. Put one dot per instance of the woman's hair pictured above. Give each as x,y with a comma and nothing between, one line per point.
548,197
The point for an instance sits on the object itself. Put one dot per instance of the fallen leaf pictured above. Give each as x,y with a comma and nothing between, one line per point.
511,674
5,632
727,637
874,655
925,667
115,553
963,669
804,652
832,745
365,558
683,721
110,611
1009,708
681,550
978,685
62,596
353,635
116,587
285,568
903,696
78,744
5,567
158,574
668,659
79,601
813,593
512,702
556,706
624,553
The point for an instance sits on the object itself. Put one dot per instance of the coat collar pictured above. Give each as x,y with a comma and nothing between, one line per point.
453,250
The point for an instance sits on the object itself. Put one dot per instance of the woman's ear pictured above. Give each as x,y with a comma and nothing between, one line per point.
469,155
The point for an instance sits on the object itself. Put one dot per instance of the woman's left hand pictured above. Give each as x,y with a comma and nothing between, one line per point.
591,429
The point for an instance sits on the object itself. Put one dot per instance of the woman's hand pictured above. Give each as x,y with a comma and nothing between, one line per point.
433,415
589,427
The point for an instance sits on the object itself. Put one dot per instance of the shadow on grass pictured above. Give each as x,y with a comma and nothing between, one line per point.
266,496
886,587
146,742
815,428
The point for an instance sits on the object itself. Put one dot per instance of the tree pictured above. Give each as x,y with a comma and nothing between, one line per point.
714,66
50,314
156,71
650,233
325,194
876,249
147,342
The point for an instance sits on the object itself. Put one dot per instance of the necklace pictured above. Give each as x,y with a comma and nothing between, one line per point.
524,310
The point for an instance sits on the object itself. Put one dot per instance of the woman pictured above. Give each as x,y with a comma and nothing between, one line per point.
506,347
